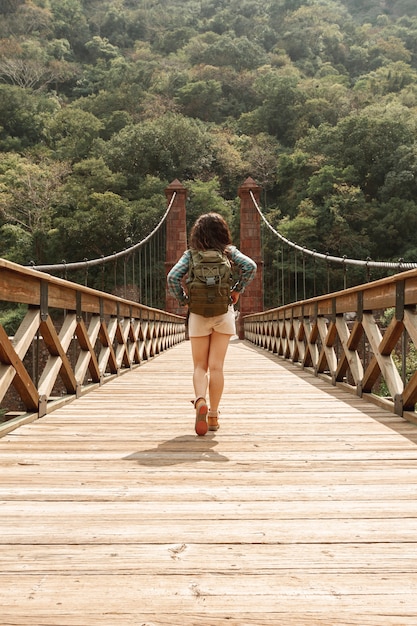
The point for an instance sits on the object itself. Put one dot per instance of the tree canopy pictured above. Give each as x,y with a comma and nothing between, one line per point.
103,102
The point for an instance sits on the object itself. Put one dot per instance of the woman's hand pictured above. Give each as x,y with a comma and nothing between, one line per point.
234,296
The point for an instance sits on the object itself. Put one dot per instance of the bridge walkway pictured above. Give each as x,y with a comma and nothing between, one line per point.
300,510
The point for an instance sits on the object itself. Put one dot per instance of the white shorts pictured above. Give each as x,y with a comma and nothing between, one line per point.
199,326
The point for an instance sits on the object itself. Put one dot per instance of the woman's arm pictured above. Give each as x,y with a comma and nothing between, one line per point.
175,276
247,270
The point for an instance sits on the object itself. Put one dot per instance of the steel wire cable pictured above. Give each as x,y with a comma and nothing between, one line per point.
368,263
86,263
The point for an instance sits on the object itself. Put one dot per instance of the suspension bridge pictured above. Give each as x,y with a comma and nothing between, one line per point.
300,510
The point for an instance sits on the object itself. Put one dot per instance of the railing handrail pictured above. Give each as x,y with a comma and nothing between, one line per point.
23,285
381,293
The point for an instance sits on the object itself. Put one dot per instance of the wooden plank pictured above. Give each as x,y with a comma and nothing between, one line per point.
191,598
326,359
107,357
58,361
380,362
410,391
21,380
391,336
351,354
87,358
266,510
187,558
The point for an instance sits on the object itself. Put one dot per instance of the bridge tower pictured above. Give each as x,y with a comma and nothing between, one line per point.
250,244
176,237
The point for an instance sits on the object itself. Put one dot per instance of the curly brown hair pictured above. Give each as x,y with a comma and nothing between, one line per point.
210,232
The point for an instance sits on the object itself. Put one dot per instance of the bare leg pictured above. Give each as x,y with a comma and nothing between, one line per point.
200,347
208,357
217,353
200,351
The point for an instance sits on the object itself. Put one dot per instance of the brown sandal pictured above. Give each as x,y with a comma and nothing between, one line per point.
213,421
201,410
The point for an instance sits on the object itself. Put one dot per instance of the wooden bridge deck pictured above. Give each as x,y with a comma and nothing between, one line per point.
301,510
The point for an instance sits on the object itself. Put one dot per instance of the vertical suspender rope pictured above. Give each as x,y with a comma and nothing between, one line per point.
295,276
314,277
156,270
133,271
304,277
344,274
328,273
150,271
86,274
278,270
102,276
368,270
124,278
140,275
146,274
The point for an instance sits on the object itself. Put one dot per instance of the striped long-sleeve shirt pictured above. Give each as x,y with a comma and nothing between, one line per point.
246,269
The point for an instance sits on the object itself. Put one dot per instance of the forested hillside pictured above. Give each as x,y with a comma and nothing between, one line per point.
104,102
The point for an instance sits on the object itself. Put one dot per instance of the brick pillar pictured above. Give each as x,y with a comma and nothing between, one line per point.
176,237
251,300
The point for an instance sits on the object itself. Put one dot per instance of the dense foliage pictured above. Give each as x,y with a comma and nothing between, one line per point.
104,102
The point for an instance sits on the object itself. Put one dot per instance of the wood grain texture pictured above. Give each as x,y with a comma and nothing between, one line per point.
300,510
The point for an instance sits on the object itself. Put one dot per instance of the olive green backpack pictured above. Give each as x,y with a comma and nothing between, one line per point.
209,282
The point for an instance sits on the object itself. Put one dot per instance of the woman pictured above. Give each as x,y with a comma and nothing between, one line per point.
209,336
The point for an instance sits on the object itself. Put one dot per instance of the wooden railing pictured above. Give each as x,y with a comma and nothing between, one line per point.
363,339
71,340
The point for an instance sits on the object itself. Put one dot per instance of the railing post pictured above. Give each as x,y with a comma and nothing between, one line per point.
250,244
176,237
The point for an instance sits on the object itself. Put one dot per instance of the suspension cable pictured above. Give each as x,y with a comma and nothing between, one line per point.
111,257
400,265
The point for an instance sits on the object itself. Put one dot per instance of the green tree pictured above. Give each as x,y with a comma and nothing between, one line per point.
92,175
368,142
393,227
28,19
332,217
29,194
401,180
23,116
238,93
237,52
204,196
98,228
10,6
170,147
294,170
100,47
200,99
27,64
390,78
147,211
313,35
71,133
70,23
261,154
281,109
15,243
